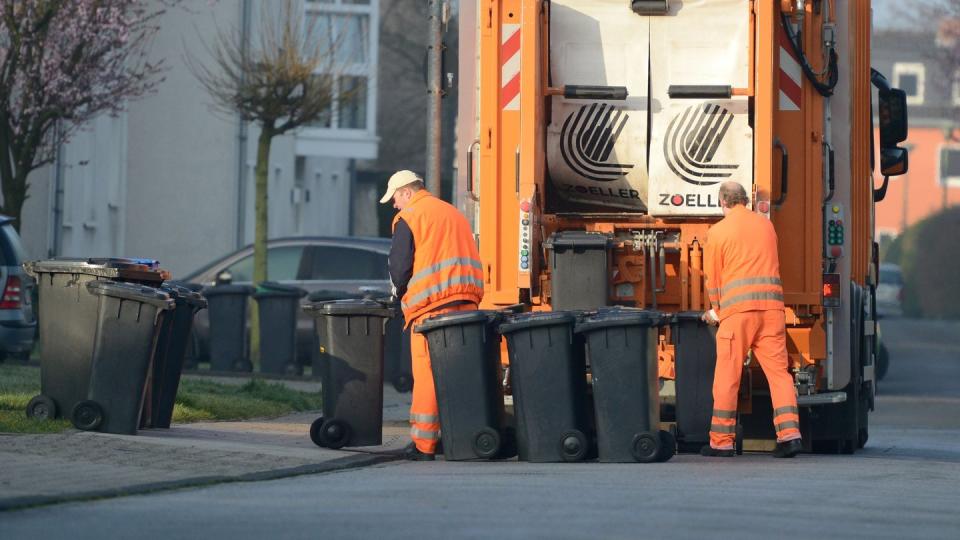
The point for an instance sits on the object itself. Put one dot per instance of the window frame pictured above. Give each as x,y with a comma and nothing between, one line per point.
948,181
367,69
917,69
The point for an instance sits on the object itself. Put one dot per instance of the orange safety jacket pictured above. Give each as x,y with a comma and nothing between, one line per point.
741,264
446,262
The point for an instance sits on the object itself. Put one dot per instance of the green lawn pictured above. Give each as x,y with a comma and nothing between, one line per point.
197,400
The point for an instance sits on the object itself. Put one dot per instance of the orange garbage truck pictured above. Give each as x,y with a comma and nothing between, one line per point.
601,131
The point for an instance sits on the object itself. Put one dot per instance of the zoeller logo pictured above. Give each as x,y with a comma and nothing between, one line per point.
587,139
692,141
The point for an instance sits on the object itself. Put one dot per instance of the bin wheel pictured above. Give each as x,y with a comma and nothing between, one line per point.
403,383
668,446
334,434
738,440
42,407
573,445
645,447
315,431
87,415
486,443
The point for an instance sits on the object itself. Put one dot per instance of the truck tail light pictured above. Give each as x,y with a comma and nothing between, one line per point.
11,294
831,290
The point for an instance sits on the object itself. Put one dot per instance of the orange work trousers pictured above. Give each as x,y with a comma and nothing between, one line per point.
765,333
424,413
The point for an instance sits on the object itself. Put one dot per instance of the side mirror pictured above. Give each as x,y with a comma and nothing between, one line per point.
893,161
892,117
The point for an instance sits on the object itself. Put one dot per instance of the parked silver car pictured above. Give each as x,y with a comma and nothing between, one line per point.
18,324
349,264
890,291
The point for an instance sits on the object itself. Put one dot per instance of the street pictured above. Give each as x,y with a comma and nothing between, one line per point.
904,484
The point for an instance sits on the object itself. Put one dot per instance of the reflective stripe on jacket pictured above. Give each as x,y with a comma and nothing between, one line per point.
741,264
446,263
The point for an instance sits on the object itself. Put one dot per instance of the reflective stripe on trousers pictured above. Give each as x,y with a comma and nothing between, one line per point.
424,413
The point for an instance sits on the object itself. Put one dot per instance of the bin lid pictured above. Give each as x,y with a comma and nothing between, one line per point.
619,316
524,321
360,306
269,289
562,240
113,268
218,290
131,291
457,318
184,294
325,295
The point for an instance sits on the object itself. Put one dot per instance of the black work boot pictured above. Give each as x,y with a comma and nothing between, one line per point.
709,451
787,449
412,453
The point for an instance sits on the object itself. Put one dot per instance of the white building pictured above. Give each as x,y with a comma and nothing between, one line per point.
172,179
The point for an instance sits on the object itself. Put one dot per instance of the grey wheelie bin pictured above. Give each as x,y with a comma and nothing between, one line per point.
68,323
351,372
548,372
696,359
176,333
228,327
465,360
278,306
127,322
622,347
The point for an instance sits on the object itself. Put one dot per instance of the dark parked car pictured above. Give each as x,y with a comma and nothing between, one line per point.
18,324
349,264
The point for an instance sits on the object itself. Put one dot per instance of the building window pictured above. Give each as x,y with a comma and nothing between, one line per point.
909,77
950,165
344,28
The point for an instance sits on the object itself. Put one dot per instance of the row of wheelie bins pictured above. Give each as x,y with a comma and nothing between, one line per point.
557,415
278,306
113,340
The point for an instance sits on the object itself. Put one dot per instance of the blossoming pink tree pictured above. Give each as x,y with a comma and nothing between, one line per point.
62,63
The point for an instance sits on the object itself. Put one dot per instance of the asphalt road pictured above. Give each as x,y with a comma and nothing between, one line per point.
904,484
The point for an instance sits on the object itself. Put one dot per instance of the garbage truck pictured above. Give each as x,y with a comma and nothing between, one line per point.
601,132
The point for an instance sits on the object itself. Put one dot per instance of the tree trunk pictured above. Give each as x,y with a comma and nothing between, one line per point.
14,181
260,233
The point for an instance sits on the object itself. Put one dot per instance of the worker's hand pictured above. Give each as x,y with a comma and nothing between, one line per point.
710,317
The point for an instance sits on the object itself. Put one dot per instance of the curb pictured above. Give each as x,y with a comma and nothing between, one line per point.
339,464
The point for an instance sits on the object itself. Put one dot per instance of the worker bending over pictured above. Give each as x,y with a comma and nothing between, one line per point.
743,281
435,268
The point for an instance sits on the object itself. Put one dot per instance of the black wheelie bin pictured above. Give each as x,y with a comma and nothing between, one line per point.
127,322
68,324
548,373
622,347
351,372
228,327
175,337
465,361
278,306
695,345
396,354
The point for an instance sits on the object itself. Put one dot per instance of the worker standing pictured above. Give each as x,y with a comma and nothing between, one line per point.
743,281
435,268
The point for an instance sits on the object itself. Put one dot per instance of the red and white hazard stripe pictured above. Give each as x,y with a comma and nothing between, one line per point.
510,67
791,77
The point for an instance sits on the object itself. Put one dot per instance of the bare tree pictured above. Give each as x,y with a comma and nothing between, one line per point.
286,80
64,62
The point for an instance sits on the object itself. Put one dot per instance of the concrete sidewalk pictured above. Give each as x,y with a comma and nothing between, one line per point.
77,465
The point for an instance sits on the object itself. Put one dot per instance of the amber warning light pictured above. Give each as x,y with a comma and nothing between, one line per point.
831,290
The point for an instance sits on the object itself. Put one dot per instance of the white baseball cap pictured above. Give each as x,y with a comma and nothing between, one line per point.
397,181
